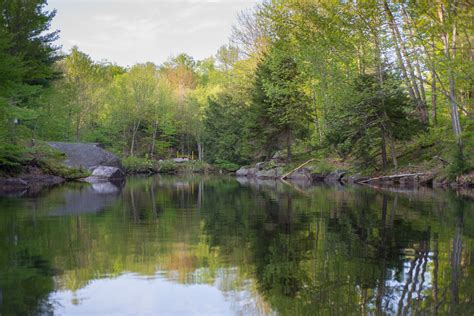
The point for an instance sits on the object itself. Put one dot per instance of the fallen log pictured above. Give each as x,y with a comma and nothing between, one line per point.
296,169
394,177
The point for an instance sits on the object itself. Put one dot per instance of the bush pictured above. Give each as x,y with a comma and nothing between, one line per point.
226,165
459,165
12,157
133,164
167,166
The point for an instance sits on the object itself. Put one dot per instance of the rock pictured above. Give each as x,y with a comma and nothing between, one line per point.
303,174
356,178
269,174
466,180
278,156
246,172
242,172
260,165
42,180
335,176
105,173
86,155
13,184
180,160
108,172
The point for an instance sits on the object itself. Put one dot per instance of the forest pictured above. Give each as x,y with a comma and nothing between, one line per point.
377,84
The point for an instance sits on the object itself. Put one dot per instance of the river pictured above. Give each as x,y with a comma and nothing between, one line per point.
194,245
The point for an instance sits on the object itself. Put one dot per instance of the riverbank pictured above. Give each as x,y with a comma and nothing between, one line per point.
49,164
332,171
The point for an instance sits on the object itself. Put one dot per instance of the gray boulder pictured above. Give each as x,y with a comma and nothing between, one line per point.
260,165
270,174
246,172
105,173
108,172
42,179
302,174
86,155
241,172
180,160
356,178
335,176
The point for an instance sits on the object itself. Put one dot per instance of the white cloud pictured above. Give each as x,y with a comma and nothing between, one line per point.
131,31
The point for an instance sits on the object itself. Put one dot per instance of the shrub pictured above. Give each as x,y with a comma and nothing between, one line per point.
167,166
459,165
12,157
226,165
133,164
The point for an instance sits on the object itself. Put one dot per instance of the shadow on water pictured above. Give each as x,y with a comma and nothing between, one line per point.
267,246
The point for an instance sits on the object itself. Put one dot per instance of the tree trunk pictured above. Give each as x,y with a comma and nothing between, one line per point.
155,130
78,123
407,71
134,134
393,153
383,148
199,146
416,53
452,93
434,97
450,55
288,146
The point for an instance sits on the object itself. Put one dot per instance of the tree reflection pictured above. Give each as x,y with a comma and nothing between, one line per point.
329,250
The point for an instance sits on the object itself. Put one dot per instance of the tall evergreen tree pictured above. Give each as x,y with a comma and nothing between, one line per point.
281,111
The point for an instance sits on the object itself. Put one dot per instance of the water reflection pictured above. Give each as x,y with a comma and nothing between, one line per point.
87,198
240,247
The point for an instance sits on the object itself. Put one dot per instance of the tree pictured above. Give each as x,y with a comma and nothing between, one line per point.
26,58
375,113
281,110
224,125
132,98
27,24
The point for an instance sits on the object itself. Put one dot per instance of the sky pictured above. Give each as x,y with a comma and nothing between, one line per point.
136,31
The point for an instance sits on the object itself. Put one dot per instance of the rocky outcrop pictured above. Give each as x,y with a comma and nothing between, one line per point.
270,173
86,155
353,179
274,170
105,173
335,176
303,174
246,172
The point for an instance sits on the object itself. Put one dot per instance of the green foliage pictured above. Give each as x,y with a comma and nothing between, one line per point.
12,157
50,161
376,114
167,166
459,164
226,165
133,165
280,111
224,130
322,167
316,77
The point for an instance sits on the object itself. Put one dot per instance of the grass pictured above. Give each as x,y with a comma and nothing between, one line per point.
15,159
136,165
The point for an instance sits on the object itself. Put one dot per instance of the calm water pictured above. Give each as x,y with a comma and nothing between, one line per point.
203,246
